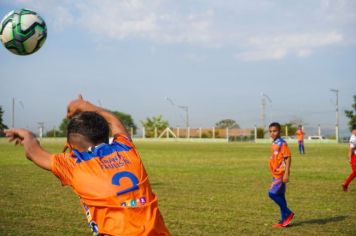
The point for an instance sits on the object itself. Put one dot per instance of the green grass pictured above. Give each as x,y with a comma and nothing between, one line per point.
203,189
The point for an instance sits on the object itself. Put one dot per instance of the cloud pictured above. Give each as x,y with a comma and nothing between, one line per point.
156,20
304,52
277,47
266,54
268,30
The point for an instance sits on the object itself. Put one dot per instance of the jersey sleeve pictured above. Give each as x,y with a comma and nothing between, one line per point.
62,166
285,151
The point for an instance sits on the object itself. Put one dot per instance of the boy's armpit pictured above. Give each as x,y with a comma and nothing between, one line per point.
62,165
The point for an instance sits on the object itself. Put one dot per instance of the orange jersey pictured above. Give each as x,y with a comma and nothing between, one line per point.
300,134
280,152
114,189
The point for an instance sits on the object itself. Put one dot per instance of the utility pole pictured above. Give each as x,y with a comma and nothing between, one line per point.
184,108
40,129
336,91
264,99
13,111
263,112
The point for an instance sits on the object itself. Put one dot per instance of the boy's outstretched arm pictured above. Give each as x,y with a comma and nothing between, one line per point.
80,105
33,150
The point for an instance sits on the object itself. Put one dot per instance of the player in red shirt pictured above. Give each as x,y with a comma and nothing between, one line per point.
110,179
279,165
352,159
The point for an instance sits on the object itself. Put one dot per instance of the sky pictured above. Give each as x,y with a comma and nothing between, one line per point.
215,57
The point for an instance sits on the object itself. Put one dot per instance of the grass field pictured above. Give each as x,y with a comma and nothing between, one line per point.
203,189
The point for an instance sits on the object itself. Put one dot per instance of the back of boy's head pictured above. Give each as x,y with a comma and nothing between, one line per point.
275,124
90,125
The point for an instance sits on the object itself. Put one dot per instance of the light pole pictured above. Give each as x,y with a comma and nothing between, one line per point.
40,129
13,111
184,108
336,91
263,113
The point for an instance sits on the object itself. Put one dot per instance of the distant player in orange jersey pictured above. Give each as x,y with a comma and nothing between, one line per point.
110,179
279,164
352,159
300,137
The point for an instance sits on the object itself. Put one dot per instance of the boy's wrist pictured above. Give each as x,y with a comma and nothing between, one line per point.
87,106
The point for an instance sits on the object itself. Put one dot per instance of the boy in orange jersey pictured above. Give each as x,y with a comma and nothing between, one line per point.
300,137
279,165
110,179
352,159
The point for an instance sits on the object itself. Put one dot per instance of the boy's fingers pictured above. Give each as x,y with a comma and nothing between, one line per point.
8,132
68,113
12,138
17,134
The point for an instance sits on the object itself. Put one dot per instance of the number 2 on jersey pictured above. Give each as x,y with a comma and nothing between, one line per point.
125,174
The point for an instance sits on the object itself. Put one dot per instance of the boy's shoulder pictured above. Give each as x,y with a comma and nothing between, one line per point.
353,139
279,141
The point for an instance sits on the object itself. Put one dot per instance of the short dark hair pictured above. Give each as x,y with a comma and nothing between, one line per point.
91,125
275,124
353,127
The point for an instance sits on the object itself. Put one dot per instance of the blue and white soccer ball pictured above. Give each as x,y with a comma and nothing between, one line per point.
23,32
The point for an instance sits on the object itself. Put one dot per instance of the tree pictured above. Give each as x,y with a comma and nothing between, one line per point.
260,132
126,120
2,125
351,114
291,128
53,133
150,124
63,128
227,123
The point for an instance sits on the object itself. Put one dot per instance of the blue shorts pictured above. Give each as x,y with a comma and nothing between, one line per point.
277,186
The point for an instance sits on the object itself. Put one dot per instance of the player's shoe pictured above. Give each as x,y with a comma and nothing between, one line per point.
287,221
345,188
277,225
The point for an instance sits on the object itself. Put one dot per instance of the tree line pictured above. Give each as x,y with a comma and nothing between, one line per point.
159,124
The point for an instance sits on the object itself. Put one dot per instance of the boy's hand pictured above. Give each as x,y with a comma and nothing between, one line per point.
78,105
33,150
285,179
18,136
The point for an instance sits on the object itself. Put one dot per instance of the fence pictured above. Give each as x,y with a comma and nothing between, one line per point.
326,133
228,134
313,134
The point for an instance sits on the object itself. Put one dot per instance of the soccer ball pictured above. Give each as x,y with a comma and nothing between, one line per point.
23,32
